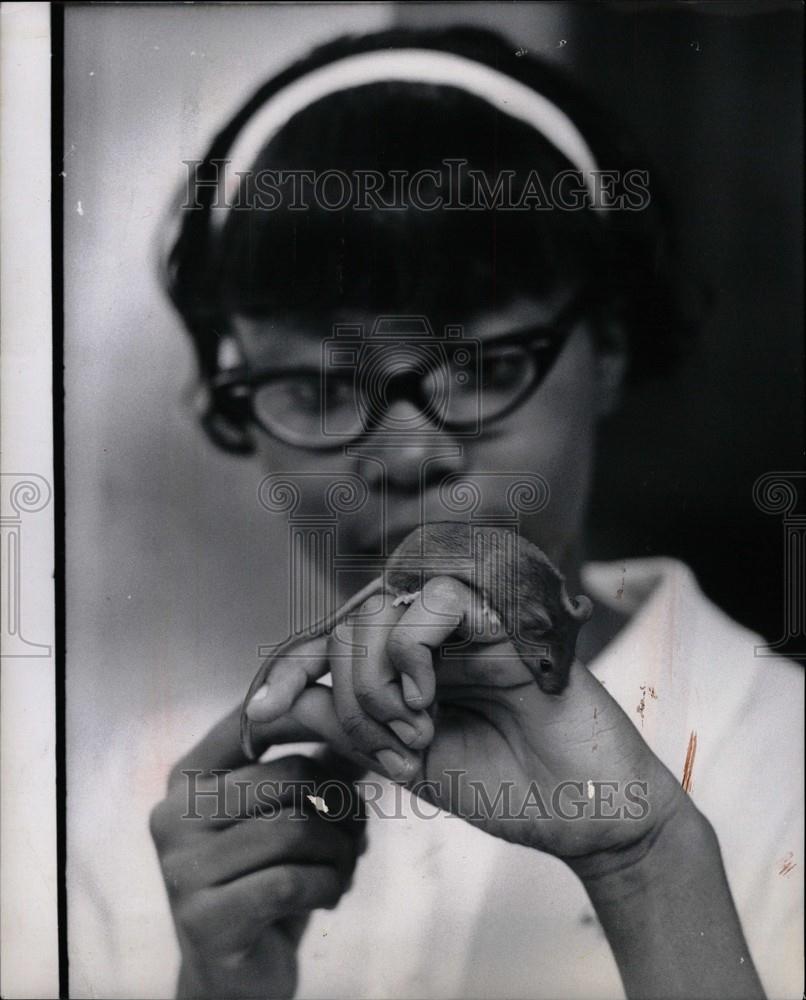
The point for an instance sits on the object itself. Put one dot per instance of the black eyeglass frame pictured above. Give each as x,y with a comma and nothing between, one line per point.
233,389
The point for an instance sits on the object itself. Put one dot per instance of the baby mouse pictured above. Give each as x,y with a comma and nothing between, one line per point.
517,582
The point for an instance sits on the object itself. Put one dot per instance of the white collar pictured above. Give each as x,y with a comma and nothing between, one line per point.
651,591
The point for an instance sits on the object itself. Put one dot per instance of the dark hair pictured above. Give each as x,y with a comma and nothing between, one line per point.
447,264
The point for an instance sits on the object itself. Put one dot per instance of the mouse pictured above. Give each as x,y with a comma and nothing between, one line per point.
517,582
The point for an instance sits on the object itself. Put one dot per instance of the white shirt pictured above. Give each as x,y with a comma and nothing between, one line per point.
441,909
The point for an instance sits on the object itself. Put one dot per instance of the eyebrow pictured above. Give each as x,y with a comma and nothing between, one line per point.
314,369
310,344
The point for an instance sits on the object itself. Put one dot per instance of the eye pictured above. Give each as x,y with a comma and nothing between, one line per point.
302,392
502,369
292,397
338,392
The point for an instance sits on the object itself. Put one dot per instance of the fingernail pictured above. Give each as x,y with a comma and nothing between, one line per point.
412,695
390,761
259,695
405,733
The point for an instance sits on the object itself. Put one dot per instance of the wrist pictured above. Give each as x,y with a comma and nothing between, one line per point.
212,980
189,985
666,909
681,843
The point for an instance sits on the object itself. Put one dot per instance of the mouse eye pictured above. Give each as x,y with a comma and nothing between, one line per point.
545,666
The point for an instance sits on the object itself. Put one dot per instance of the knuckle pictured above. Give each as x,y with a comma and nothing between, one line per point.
193,915
443,590
367,694
174,866
211,932
371,605
379,702
355,726
404,651
289,885
332,890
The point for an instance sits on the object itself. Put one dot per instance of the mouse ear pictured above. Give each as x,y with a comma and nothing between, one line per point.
580,608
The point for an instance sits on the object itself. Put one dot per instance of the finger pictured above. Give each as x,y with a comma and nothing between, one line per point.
224,797
288,684
222,748
236,914
314,713
442,607
313,718
219,748
286,678
377,685
370,739
291,836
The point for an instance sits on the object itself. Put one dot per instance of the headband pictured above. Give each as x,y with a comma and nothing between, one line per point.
503,92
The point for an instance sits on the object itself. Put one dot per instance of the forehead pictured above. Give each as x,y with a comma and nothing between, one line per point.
295,339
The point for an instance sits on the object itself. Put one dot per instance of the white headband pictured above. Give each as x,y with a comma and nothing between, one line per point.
413,66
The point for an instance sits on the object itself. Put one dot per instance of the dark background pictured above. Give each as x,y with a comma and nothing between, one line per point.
714,91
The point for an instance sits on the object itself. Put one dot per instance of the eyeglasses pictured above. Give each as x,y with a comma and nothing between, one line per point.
460,386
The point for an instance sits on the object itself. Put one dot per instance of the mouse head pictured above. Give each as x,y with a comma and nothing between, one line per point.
551,622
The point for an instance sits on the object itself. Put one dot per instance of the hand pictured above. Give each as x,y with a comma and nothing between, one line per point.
242,875
421,714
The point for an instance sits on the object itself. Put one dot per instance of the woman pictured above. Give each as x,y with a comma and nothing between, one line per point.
442,177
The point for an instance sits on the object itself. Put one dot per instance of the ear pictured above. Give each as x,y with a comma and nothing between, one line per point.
611,365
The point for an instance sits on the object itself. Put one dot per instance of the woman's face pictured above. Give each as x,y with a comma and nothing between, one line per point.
550,435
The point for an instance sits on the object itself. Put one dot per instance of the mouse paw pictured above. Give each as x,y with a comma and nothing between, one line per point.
490,615
404,599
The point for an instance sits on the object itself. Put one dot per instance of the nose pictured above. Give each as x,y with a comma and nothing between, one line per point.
410,460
